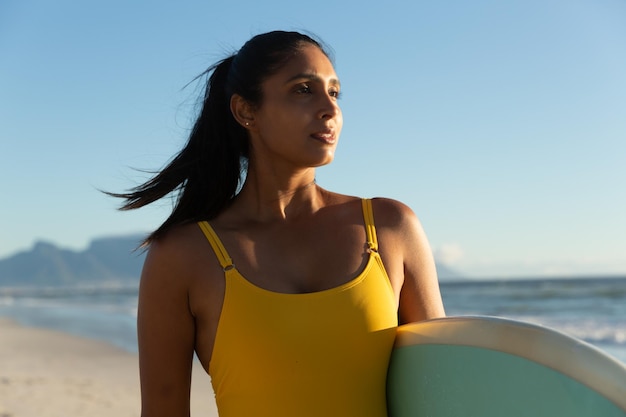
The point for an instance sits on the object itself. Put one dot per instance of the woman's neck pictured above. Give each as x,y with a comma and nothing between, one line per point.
267,198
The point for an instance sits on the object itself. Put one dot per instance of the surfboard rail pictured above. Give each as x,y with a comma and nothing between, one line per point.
548,347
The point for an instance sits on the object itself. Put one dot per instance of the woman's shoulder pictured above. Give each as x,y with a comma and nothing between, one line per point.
387,211
392,213
398,225
176,241
178,251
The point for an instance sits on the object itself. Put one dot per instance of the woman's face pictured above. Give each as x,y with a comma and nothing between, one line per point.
299,120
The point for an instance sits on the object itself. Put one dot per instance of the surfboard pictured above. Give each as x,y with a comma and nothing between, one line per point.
477,366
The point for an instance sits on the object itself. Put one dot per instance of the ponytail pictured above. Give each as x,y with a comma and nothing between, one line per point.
207,172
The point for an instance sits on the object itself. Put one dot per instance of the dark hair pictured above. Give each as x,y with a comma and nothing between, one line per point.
207,173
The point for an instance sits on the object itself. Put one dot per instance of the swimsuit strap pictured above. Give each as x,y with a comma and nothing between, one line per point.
368,215
218,247
227,263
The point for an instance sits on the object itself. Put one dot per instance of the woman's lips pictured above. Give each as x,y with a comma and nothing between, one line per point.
326,137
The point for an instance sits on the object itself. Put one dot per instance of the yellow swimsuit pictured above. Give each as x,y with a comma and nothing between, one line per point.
320,354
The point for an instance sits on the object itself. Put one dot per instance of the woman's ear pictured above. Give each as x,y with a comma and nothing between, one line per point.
242,111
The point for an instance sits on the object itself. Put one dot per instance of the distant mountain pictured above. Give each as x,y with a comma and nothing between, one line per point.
112,259
105,260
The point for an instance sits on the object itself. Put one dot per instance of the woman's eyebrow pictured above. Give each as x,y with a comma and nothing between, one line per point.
312,77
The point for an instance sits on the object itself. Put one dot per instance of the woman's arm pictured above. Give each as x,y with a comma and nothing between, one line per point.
409,260
420,298
165,328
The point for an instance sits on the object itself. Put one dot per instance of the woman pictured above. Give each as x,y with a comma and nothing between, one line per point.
288,293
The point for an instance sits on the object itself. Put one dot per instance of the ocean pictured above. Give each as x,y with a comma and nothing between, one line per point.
592,309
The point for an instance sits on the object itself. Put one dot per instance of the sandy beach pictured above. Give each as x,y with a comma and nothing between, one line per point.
44,373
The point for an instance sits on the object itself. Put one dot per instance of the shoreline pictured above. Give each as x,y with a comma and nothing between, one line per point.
49,373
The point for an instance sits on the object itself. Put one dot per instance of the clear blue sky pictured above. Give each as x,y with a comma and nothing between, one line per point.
501,123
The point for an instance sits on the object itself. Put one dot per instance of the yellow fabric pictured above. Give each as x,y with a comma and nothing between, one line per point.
320,354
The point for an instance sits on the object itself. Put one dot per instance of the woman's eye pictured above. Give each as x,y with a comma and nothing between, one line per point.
304,89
